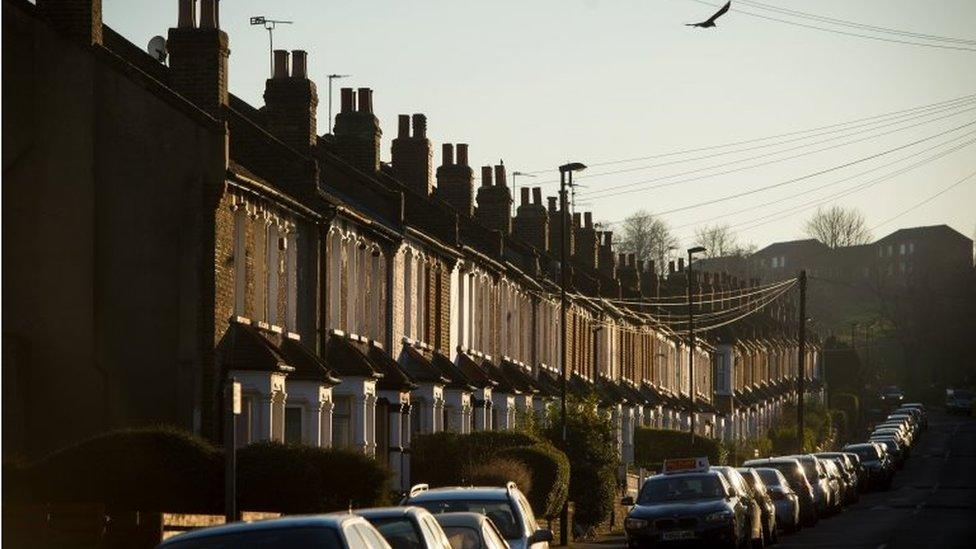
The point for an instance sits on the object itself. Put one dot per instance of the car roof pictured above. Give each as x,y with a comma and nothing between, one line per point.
461,493
780,459
331,520
710,472
472,520
387,512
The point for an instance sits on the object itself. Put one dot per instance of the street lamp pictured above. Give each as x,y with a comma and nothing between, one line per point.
691,339
565,178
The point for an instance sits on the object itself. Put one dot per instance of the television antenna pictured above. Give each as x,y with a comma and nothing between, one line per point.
157,49
269,25
331,78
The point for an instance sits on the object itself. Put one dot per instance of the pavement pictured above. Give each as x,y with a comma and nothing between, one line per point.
931,504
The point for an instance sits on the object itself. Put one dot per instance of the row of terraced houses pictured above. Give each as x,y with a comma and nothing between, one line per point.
162,236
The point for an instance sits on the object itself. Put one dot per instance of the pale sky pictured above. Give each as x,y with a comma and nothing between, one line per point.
541,82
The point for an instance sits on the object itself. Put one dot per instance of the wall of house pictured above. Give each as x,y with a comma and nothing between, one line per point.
108,190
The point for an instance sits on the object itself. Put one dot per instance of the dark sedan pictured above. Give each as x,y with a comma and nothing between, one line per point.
681,507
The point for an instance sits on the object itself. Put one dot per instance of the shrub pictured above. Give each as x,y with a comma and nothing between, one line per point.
549,469
653,446
293,478
499,471
151,469
446,459
593,461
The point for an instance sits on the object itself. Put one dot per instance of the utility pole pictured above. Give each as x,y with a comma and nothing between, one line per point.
232,405
565,171
691,338
802,352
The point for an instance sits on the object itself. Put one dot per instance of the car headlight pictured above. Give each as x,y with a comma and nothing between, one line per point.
721,516
635,523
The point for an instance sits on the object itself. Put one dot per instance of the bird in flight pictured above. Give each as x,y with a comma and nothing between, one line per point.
711,20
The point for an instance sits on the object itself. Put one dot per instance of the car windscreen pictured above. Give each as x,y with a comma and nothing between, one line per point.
462,537
681,488
499,511
769,477
400,532
312,537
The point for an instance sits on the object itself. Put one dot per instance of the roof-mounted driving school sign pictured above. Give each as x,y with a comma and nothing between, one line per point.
685,465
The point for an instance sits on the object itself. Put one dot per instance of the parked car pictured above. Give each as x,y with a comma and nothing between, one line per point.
818,480
754,507
877,474
765,501
892,447
834,482
785,500
471,531
506,507
407,527
848,472
959,401
919,409
332,531
793,471
892,396
689,504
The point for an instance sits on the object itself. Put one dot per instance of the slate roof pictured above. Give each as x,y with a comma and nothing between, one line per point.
347,358
242,347
307,364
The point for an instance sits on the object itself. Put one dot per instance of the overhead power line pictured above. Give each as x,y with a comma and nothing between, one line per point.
852,24
846,33
926,201
902,112
807,176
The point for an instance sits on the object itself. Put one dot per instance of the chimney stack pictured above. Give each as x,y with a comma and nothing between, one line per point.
80,20
586,241
455,180
531,222
555,229
357,131
494,201
291,101
413,156
198,57
605,254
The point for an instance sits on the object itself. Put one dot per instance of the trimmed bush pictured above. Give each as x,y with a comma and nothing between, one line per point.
653,446
549,469
593,461
499,472
153,469
446,459
292,478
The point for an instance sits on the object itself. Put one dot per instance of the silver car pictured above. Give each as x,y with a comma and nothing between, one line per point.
507,508
332,531
407,527
471,531
785,500
818,480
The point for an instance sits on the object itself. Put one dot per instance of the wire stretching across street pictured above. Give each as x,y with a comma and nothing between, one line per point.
926,201
771,137
702,298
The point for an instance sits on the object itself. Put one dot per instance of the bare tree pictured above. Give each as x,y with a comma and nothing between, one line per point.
649,237
838,226
720,241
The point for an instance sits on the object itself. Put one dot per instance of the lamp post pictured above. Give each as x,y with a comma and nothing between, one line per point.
691,338
565,178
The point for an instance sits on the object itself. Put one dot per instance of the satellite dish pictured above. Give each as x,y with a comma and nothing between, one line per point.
157,48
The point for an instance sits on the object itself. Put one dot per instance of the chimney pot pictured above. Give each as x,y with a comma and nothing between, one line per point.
671,267
403,128
577,219
588,220
208,14
188,14
348,98
500,175
631,260
621,260
299,64
640,265
608,235
365,100
462,154
552,204
537,196
420,126
650,265
681,264
525,196
447,154
486,176
280,64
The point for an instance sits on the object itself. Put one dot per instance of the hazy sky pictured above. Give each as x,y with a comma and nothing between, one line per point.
537,83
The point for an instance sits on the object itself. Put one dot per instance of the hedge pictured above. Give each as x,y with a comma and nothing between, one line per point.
499,471
153,469
653,446
165,469
291,478
549,469
445,459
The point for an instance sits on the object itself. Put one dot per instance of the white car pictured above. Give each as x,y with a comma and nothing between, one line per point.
331,531
507,508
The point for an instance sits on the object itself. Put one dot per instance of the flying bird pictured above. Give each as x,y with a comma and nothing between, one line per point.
711,20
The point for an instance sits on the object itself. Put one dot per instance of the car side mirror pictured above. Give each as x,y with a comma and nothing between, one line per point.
542,535
627,500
